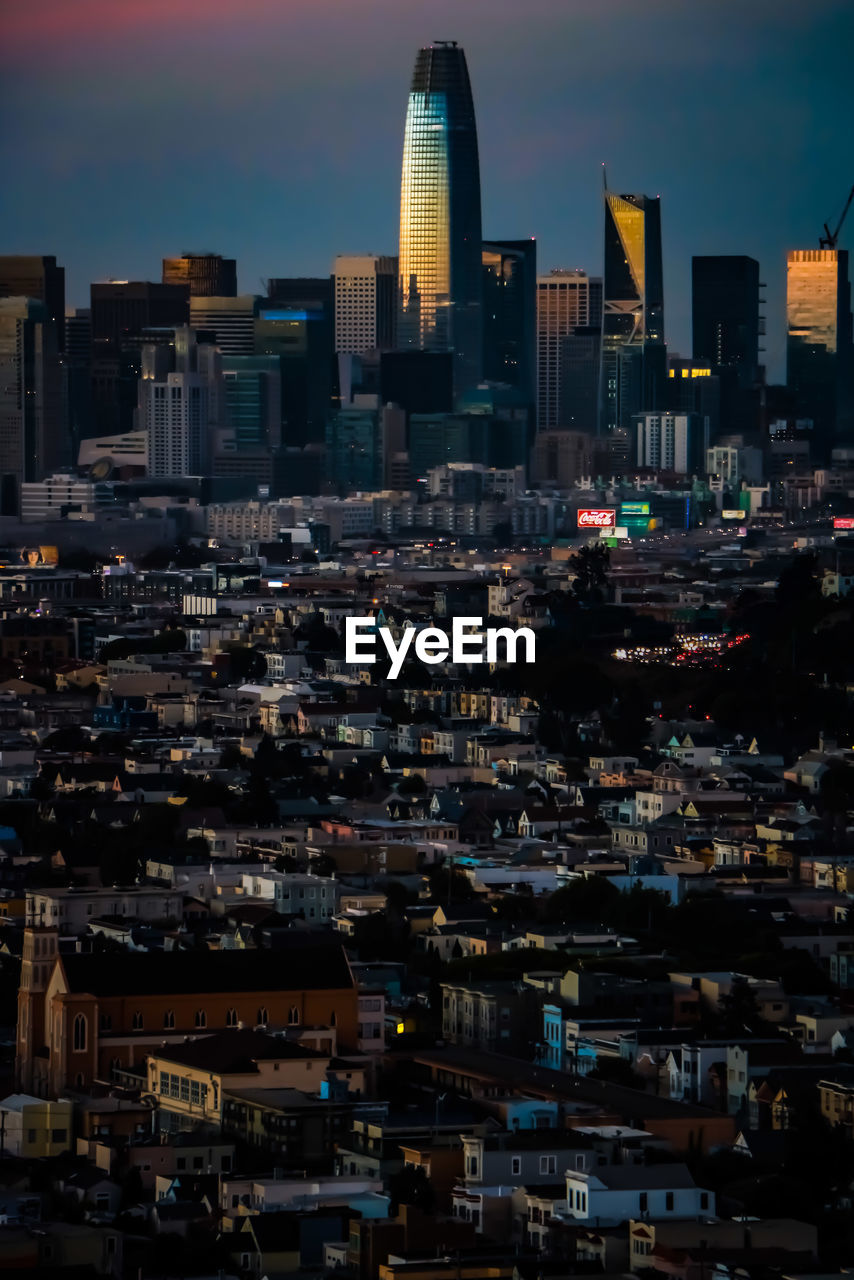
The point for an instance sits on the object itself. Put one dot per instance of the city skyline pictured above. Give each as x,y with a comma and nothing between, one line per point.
755,121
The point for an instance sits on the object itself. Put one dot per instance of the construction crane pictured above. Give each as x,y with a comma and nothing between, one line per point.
829,239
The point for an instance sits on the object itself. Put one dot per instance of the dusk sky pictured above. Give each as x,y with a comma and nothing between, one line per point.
271,130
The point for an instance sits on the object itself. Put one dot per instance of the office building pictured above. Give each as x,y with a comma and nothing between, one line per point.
566,301
439,438
354,450
365,303
440,223
725,314
53,497
208,275
297,322
121,313
509,270
33,434
252,394
419,381
694,386
579,365
78,364
727,325
673,442
230,320
560,459
180,405
34,276
121,309
633,352
818,350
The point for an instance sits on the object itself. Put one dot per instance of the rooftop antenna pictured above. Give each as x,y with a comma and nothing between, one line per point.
604,177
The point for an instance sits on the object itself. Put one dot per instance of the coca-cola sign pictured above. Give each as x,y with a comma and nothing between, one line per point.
597,518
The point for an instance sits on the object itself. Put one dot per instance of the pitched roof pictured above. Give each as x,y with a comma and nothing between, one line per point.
235,1051
306,967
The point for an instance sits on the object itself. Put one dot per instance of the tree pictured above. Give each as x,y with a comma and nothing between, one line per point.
590,566
589,898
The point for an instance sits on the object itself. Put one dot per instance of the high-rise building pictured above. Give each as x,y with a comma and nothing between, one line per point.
819,361
121,313
208,275
365,303
440,224
580,356
633,352
252,392
33,439
419,381
560,459
693,386
725,305
566,301
509,269
231,320
354,455
676,442
180,404
298,323
725,314
121,309
31,276
78,363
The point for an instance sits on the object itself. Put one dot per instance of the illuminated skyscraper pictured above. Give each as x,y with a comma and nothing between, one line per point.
440,228
633,353
818,351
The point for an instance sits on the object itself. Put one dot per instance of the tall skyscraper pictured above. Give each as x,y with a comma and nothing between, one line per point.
78,363
566,301
208,275
440,225
121,311
31,276
33,439
819,362
180,404
725,314
365,303
252,388
510,314
725,304
633,352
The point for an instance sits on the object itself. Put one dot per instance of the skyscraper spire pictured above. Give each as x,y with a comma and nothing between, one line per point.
440,224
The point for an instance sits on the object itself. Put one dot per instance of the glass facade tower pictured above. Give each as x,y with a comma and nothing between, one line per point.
633,352
818,348
440,225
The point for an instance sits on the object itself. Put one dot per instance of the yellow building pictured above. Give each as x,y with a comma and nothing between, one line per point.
189,1079
33,1128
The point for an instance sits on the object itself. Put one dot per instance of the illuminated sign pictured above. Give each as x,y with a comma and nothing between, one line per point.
619,532
634,508
733,513
597,518
843,522
39,557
